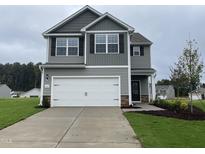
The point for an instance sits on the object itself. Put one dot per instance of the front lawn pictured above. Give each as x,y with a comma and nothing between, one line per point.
16,109
155,131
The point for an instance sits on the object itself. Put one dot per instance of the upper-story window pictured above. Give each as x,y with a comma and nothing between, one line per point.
67,46
106,43
138,51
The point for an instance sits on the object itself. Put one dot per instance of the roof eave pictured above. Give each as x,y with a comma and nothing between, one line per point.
141,43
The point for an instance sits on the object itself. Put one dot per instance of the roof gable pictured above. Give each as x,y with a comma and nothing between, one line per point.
139,39
115,21
87,10
106,24
78,22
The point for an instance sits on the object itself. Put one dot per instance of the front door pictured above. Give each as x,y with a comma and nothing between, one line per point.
136,90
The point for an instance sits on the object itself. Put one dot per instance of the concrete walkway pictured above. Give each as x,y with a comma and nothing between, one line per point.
72,127
143,107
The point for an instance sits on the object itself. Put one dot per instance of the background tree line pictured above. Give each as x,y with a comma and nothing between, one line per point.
20,77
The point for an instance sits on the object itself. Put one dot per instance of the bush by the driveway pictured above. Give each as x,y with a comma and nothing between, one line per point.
172,105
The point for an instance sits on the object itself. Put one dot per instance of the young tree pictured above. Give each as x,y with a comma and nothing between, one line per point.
179,80
188,70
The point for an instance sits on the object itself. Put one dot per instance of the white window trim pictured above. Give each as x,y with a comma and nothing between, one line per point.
73,46
113,43
66,47
134,52
101,43
56,53
106,44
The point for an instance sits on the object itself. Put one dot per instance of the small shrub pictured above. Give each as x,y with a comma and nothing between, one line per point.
183,105
172,105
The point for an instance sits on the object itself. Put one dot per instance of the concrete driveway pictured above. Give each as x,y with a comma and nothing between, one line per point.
71,127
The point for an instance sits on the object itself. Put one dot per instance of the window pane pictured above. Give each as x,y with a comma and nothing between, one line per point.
73,42
112,48
136,48
61,50
112,38
72,51
100,38
100,48
61,42
136,53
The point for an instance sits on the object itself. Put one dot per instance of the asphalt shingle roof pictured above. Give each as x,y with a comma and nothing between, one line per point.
139,39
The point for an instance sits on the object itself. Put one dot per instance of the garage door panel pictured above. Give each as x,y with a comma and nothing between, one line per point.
85,92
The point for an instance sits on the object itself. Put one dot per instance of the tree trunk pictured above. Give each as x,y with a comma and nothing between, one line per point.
177,92
191,105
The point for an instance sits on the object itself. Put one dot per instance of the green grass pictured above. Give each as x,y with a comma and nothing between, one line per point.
16,109
155,131
199,104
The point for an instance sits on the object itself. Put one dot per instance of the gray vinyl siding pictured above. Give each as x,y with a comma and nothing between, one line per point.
142,61
106,24
64,59
107,59
122,72
143,84
77,23
5,91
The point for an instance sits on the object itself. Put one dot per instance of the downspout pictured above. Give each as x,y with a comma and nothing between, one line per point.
42,83
129,69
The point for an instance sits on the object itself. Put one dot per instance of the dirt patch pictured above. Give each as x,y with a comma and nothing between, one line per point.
196,115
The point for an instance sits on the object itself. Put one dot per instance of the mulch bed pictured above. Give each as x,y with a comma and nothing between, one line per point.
131,107
196,115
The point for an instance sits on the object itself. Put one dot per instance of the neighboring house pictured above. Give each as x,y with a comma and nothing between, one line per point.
4,91
95,59
165,91
198,94
16,93
35,92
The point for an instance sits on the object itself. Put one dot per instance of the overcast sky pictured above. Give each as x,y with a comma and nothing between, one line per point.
168,27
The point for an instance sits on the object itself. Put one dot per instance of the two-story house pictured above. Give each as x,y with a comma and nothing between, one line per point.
95,59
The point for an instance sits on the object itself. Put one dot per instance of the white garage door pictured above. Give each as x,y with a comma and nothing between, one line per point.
85,91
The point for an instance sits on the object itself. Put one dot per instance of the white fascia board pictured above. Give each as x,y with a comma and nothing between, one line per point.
81,66
108,66
70,17
108,31
64,34
113,18
141,43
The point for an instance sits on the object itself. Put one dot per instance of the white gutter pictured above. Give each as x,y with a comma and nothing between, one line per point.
62,66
